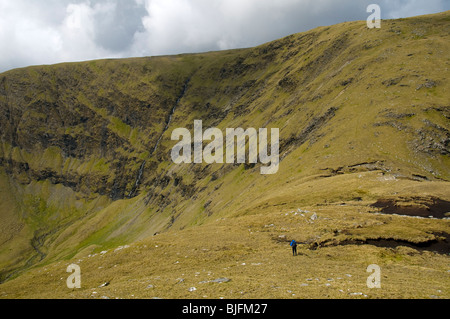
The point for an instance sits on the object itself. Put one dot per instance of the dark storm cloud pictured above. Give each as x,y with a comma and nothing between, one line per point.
115,28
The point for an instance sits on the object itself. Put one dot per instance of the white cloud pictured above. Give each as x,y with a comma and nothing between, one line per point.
51,31
32,35
23,35
78,32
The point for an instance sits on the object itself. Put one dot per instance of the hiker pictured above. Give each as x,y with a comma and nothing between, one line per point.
294,247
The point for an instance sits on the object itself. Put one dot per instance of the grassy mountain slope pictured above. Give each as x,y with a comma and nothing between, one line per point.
363,117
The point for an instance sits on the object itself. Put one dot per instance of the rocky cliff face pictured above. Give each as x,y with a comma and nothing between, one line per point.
85,147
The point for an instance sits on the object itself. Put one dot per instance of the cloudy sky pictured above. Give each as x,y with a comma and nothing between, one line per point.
51,31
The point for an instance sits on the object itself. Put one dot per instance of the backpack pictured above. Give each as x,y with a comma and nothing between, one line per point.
293,243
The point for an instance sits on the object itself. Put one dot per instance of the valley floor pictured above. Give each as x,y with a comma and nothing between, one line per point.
250,257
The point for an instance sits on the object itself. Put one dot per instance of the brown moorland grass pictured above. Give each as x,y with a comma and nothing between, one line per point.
253,253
